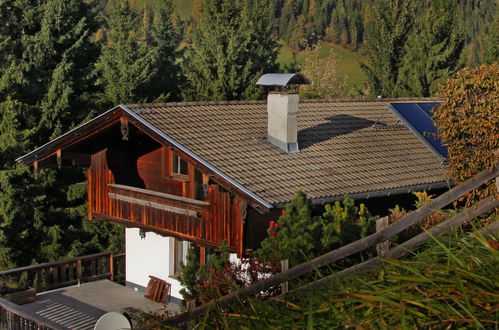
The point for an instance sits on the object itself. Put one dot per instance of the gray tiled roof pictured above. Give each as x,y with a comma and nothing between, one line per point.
340,150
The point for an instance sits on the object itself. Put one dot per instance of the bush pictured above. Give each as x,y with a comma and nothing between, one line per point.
221,276
299,236
437,217
468,122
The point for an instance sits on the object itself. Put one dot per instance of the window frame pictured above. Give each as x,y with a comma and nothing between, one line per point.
167,165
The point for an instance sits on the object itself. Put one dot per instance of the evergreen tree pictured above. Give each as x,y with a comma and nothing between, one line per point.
491,40
299,236
138,61
432,51
388,32
45,89
231,48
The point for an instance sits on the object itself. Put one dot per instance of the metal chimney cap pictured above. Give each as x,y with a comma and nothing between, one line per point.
282,79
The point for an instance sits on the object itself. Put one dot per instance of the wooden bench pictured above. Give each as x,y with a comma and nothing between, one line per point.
157,290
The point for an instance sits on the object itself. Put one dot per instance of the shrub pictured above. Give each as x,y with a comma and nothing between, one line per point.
468,122
299,236
423,198
220,276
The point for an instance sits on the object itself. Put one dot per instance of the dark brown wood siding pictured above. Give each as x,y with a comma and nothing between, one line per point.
164,203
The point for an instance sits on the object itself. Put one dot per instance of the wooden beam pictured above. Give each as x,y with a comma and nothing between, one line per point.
202,255
59,158
383,247
35,169
161,231
163,207
125,129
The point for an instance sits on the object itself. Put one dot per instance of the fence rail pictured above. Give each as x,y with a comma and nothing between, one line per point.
366,243
53,275
58,274
12,318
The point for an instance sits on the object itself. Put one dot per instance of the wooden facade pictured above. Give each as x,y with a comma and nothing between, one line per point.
137,188
138,179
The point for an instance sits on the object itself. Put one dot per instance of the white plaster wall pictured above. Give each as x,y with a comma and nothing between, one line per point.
149,256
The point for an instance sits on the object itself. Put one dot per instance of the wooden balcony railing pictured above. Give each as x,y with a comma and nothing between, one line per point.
208,223
157,200
12,318
58,274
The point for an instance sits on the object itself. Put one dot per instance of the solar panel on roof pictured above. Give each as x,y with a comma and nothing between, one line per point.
418,117
428,107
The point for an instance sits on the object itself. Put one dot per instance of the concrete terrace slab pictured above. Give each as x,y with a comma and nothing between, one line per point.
79,307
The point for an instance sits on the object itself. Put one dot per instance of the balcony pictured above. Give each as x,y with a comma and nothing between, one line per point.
177,206
60,304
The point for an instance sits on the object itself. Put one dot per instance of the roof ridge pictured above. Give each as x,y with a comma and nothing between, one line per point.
201,103
390,99
192,103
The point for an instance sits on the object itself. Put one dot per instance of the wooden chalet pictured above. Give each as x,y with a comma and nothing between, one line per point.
182,174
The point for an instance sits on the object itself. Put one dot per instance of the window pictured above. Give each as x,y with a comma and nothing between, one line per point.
178,254
179,166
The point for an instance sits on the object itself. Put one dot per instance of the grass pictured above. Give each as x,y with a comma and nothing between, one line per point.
348,61
183,7
451,282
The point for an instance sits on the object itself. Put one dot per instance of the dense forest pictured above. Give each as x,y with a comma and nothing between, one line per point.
64,61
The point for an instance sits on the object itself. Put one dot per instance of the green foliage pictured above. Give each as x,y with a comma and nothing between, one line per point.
468,122
138,62
450,283
327,82
231,48
198,279
386,37
298,235
46,88
189,275
433,50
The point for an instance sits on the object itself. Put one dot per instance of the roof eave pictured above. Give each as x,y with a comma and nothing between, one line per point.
377,193
32,156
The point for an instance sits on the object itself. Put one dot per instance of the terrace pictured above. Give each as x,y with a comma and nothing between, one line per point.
74,294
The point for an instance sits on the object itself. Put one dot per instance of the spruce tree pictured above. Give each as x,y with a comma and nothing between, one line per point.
433,50
298,235
386,37
45,89
231,48
138,61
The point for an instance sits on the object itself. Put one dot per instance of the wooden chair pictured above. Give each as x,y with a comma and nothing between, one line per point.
157,290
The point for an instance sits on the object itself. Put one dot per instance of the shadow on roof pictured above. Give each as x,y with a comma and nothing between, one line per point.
336,126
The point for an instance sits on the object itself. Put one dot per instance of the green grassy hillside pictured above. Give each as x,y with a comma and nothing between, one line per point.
184,7
348,61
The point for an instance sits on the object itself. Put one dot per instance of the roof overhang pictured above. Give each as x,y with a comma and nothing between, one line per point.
380,193
110,117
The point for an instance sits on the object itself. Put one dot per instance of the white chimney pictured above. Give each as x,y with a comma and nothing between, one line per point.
282,129
282,109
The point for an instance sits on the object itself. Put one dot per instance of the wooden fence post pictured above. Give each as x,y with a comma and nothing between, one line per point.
111,266
79,271
383,247
284,268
